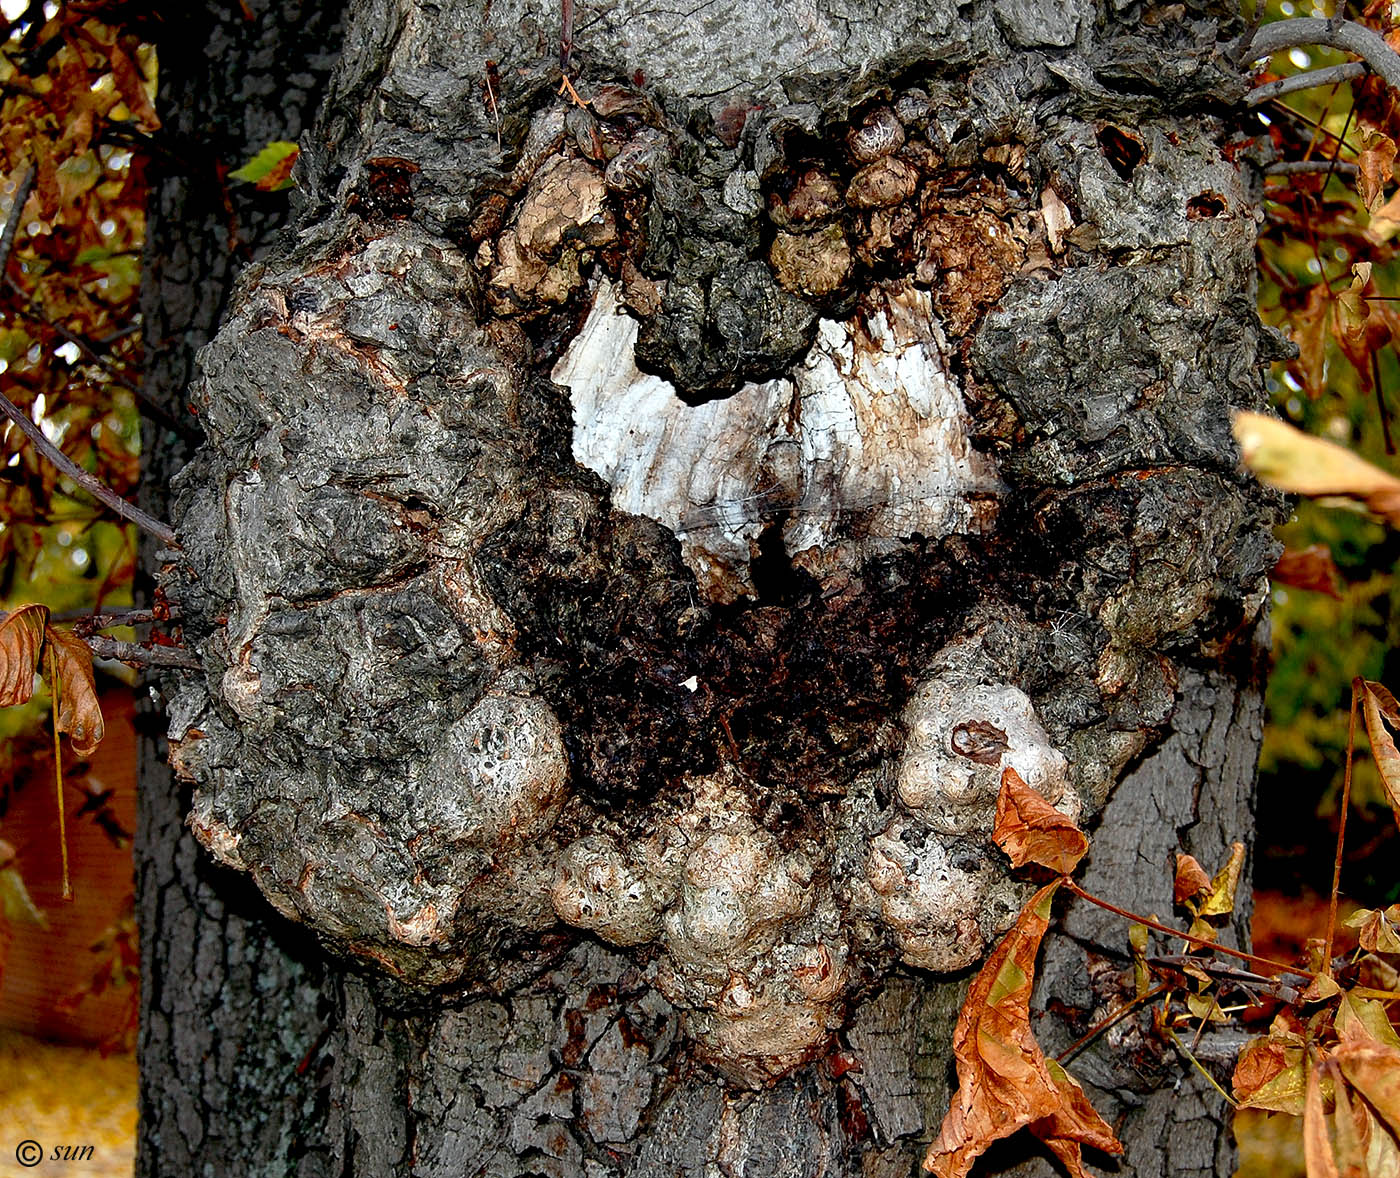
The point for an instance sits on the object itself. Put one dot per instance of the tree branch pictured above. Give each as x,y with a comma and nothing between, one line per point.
1332,75
1346,35
1295,167
93,486
7,239
148,656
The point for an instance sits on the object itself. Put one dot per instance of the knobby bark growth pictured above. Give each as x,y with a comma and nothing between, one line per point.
632,539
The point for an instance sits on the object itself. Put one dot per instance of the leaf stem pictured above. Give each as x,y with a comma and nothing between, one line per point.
1357,687
54,688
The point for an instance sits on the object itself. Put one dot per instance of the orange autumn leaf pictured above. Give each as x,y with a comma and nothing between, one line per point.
1317,1147
1005,1083
1382,712
1191,880
1269,1074
1030,830
1374,1071
21,640
79,713
1310,568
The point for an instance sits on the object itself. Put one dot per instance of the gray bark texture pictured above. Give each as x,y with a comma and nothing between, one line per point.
626,811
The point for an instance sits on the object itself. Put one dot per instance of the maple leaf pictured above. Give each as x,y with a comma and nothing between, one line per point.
1030,830
1005,1083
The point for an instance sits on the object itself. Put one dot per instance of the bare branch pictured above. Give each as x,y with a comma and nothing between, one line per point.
93,486
1296,167
84,624
1346,35
7,238
146,656
1333,75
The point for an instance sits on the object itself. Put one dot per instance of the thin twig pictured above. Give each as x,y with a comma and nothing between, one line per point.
1295,167
1345,35
1186,1051
85,624
1357,687
7,238
1108,1021
93,486
148,656
1189,938
1332,75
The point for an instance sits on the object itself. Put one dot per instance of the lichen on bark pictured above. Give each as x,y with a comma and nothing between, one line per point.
478,685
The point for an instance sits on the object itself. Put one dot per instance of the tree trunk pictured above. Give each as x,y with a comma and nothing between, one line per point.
632,541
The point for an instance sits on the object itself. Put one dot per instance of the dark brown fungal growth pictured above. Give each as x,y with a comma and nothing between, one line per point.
878,135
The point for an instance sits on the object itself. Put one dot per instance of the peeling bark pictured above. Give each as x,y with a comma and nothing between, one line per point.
631,542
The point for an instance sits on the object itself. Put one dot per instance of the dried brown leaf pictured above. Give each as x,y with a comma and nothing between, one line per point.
1375,1073
1004,1080
1310,327
1191,882
1376,928
1317,1148
21,642
1030,830
79,713
1380,709
1375,167
1269,1075
1310,568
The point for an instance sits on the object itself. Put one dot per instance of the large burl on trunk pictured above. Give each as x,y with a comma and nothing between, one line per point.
633,538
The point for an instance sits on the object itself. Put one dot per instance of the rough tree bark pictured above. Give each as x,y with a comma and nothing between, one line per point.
630,543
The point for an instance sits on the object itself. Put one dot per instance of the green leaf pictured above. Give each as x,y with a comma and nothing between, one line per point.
269,169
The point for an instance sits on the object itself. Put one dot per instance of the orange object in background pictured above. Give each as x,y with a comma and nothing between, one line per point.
73,980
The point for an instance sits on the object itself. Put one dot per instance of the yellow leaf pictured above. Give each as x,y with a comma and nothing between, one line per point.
21,641
1293,461
1364,1021
1222,888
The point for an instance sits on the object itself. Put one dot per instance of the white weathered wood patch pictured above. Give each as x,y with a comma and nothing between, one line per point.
866,444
